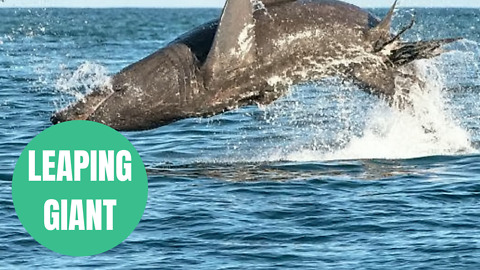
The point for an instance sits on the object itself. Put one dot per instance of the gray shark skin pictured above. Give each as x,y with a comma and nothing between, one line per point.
251,55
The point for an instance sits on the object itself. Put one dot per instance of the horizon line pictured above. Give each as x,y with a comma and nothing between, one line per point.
201,7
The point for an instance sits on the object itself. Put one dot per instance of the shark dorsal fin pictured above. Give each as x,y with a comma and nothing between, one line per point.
381,33
234,43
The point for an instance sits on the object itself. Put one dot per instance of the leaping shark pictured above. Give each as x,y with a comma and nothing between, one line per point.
251,55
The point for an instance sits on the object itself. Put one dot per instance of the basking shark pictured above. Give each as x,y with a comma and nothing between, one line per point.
251,55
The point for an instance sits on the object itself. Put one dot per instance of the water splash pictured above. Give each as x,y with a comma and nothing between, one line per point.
87,77
429,128
334,120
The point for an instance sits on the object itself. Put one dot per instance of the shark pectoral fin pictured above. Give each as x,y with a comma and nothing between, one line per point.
406,52
234,43
380,34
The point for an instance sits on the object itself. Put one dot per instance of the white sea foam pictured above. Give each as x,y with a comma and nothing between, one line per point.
334,120
429,128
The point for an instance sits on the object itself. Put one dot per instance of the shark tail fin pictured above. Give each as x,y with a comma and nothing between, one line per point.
406,52
380,34
401,53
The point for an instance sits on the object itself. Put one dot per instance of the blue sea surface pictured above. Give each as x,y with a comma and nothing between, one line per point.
328,177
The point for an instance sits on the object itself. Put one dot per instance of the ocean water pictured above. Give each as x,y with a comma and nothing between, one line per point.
326,178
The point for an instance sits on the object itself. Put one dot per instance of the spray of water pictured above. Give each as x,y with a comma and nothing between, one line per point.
429,127
78,83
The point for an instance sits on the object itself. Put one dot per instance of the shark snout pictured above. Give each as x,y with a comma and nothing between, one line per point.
83,108
58,118
77,111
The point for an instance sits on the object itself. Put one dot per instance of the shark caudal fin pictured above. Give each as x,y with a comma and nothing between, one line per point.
380,34
401,53
406,52
389,75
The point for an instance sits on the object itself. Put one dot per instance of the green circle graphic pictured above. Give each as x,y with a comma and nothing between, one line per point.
76,173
